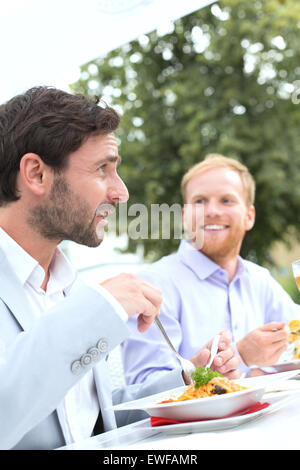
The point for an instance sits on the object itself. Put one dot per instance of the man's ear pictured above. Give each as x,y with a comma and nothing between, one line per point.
35,174
250,218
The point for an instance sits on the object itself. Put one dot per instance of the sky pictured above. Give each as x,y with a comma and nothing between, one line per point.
45,42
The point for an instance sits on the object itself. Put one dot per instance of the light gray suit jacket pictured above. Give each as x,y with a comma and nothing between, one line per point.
43,358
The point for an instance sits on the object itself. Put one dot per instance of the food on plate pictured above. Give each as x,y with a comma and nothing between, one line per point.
216,386
207,383
296,350
294,327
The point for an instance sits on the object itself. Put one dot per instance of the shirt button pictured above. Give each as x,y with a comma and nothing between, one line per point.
102,345
76,367
94,352
86,359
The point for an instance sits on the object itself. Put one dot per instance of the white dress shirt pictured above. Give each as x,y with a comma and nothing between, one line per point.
199,302
80,408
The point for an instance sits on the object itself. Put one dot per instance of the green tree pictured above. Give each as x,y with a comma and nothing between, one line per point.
221,81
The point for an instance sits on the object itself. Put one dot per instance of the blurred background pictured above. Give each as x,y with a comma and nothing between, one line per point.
189,78
226,79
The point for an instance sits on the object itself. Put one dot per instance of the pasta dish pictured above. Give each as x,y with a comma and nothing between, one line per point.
294,327
216,386
296,351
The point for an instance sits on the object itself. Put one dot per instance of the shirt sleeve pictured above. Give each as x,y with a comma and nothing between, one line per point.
112,300
147,354
243,367
279,306
276,306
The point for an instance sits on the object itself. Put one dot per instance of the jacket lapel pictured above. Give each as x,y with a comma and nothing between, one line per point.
13,295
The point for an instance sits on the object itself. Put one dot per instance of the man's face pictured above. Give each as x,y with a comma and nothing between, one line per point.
83,195
225,216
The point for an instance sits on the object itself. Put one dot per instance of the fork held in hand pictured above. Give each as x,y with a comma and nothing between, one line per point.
186,365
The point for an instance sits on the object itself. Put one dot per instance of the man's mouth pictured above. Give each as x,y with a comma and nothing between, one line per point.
103,211
215,227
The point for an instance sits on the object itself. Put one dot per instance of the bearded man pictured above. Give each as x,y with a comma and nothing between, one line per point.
207,287
58,181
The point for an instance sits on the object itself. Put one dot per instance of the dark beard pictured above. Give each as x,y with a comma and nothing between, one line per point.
64,217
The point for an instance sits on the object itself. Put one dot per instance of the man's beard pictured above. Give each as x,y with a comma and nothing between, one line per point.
217,251
64,217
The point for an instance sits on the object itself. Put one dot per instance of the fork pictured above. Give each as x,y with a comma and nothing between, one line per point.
187,366
213,350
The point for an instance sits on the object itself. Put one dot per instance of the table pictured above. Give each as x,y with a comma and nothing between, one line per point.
278,430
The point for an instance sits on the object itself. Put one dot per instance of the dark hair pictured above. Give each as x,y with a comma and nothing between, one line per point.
51,123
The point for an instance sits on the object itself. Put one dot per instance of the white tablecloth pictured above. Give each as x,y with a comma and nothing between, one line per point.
278,430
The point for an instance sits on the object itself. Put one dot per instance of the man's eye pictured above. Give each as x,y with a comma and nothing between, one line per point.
102,167
199,201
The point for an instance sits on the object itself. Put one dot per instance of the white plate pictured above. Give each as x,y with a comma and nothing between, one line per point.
276,401
287,365
219,406
199,408
270,380
285,362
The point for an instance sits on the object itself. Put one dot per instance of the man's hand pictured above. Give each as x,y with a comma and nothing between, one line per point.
264,346
225,362
136,297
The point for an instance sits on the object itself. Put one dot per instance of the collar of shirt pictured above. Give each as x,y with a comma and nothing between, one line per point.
202,265
28,270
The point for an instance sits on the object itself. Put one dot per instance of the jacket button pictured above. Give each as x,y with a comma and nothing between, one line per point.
94,352
102,345
76,367
86,359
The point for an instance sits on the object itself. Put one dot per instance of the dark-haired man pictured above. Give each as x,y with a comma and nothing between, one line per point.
58,180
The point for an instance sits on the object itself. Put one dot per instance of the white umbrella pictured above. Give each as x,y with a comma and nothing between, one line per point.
44,42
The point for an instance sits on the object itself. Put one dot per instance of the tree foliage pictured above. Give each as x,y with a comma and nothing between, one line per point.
221,81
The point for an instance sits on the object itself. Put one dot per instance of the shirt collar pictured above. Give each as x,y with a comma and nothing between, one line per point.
201,264
62,274
28,270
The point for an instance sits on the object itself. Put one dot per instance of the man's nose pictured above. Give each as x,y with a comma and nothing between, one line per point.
118,191
212,209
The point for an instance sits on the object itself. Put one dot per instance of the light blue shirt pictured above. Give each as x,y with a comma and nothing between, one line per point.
198,303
